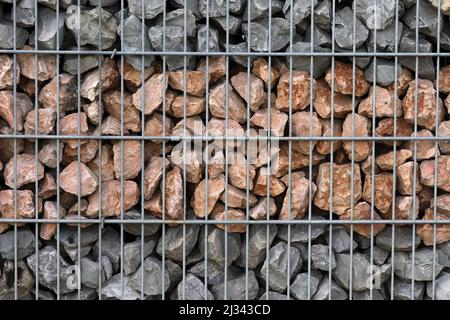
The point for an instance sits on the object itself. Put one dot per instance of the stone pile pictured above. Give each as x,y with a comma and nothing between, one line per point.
155,102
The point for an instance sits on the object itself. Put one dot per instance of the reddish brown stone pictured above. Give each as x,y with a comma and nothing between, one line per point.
324,147
342,104
216,67
257,93
218,103
261,70
405,179
188,160
131,158
385,128
357,126
219,213
343,79
153,174
278,120
112,104
194,105
424,149
29,87
107,163
47,186
342,184
46,65
48,230
237,172
74,125
444,80
216,165
23,171
154,204
92,84
427,232
386,161
83,205
72,179
443,173
46,122
153,94
363,211
198,201
276,187
218,128
92,112
133,77
23,107
299,198
174,194
299,83
87,152
301,128
383,186
152,149
237,198
384,104
111,127
154,126
25,208
66,98
281,163
194,127
444,131
404,208
7,72
259,211
196,83
403,81
48,154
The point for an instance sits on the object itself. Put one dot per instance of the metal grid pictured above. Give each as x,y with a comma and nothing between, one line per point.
207,222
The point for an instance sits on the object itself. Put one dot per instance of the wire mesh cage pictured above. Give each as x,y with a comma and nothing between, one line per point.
209,149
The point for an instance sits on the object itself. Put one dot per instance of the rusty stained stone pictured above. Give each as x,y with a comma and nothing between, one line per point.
26,208
403,81
257,94
69,127
216,186
153,174
174,194
93,83
324,147
278,120
112,104
447,103
152,149
237,172
383,184
425,196
386,127
107,162
427,169
218,104
28,86
301,90
217,66
188,160
444,80
23,107
216,164
343,79
424,149
153,94
359,126
299,196
426,104
46,122
111,127
66,98
444,131
276,186
7,72
131,158
426,232
386,161
48,230
384,104
261,70
218,128
47,186
24,170
46,65
442,203
301,128
92,112
342,104
72,179
154,204
73,210
154,126
342,182
259,211
133,77
88,151
219,213
111,198
280,165
404,208
265,155
196,82
237,198
48,153
194,105
194,127
405,179
362,211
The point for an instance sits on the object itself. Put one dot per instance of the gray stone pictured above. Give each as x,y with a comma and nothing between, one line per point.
116,289
91,273
322,14
365,295
242,60
402,290
103,3
385,72
89,33
379,254
110,246
445,36
299,287
361,61
87,62
86,293
215,245
260,9
176,238
428,20
176,18
132,253
340,240
218,8
73,252
189,4
234,24
443,254
47,262
363,242
403,238
25,280
408,44
213,39
69,236
277,266
152,277
151,8
360,271
441,287
320,63
300,232
237,289
319,37
423,265
375,14
385,39
52,3
192,288
257,245
326,291
47,29
26,244
214,271
107,267
301,10
7,35
175,273
320,257
132,42
135,229
42,295
344,29
272,295
259,34
193,257
25,13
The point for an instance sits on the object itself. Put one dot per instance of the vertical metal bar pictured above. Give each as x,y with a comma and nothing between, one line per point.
121,148
227,79
36,146
163,182
143,143
78,153
15,149
184,143
247,159
206,149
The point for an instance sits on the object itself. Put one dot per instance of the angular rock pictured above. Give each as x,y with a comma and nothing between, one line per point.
320,63
342,104
386,161
428,19
25,244
195,82
324,292
100,80
178,241
301,88
343,82
261,69
378,18
444,130
386,128
218,105
132,253
363,211
259,34
423,265
215,245
48,230
7,36
69,179
299,287
427,169
294,207
153,94
237,288
402,238
131,116
22,170
406,178
344,29
359,126
213,38
131,158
